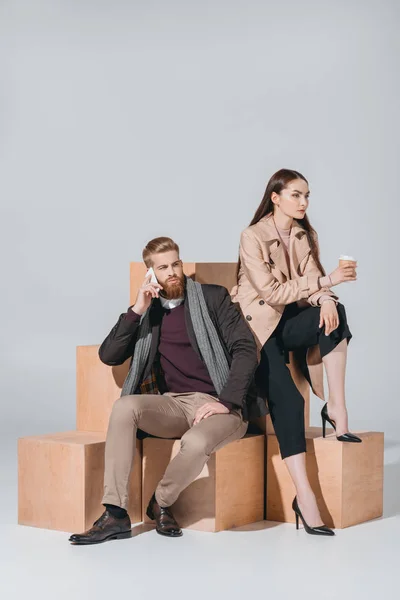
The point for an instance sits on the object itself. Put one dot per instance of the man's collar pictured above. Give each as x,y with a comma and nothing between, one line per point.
170,303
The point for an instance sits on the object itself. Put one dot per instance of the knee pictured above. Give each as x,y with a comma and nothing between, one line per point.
125,408
341,312
194,443
285,401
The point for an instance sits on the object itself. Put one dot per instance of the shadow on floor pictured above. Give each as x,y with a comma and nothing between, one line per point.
141,528
391,486
259,526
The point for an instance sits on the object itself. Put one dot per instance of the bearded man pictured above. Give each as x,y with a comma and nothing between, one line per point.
191,377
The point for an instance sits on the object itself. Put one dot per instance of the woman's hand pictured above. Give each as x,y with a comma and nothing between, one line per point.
329,316
343,273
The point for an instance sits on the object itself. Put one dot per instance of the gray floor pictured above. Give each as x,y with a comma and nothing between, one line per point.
268,559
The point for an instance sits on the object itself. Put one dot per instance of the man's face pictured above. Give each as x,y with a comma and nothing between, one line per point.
169,272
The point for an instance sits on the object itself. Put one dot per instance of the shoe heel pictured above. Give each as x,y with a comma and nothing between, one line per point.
124,536
323,427
297,520
150,513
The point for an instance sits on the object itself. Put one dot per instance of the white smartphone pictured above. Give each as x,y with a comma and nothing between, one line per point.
153,275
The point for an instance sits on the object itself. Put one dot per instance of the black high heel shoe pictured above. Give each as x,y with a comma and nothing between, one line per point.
346,437
321,530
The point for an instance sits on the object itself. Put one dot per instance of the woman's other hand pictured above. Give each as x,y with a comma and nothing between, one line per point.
329,316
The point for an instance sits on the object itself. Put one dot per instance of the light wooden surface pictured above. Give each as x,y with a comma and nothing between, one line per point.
363,479
97,388
60,481
347,479
216,272
240,485
228,492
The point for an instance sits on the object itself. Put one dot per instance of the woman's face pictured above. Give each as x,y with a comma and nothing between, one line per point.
293,200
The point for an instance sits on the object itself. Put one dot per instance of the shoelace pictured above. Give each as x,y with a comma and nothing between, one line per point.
100,521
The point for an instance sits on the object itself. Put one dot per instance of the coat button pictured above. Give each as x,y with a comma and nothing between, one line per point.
248,317
261,302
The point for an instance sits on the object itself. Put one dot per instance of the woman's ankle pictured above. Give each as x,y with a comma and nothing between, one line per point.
336,405
305,496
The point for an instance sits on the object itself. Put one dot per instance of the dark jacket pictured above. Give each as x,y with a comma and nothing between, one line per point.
235,336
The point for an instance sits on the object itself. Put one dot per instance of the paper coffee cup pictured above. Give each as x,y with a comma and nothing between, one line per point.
345,260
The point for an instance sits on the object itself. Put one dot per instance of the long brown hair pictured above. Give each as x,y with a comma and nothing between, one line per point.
278,182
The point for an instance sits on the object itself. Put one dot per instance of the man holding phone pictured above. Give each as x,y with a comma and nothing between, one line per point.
191,377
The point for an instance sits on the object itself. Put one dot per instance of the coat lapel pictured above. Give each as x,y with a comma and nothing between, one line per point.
276,249
277,254
299,246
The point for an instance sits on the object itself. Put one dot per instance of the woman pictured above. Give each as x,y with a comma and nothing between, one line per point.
287,300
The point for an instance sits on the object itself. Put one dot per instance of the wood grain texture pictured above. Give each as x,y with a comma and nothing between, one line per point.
346,479
228,492
97,388
240,485
219,273
363,479
60,481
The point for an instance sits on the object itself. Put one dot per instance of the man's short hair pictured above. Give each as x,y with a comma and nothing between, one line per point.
157,246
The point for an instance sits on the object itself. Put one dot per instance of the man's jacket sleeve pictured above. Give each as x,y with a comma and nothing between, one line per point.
241,345
119,345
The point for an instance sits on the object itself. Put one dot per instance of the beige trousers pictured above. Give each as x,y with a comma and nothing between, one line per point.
167,416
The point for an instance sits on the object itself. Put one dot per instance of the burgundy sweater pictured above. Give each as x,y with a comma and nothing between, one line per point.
183,370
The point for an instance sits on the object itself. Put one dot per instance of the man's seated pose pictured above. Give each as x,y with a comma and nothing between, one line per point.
191,377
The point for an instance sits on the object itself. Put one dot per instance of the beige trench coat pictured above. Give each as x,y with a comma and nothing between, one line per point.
265,286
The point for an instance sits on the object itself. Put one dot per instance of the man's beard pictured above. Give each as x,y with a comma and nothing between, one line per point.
174,289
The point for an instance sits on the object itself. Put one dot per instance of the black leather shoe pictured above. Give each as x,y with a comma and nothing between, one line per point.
165,522
346,437
105,528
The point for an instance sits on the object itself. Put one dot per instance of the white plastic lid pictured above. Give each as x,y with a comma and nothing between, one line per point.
345,257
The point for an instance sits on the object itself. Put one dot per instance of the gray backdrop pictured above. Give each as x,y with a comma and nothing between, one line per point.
124,120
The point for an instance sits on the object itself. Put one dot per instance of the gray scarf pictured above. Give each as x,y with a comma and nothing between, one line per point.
207,338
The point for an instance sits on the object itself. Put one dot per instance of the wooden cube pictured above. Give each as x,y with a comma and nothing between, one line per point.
229,492
218,273
347,479
97,388
60,481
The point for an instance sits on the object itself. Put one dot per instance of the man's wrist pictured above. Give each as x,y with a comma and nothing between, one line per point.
132,315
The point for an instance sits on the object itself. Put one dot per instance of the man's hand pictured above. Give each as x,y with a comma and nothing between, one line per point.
209,409
329,316
146,293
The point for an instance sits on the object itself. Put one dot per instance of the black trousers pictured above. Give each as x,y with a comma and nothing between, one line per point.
297,330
